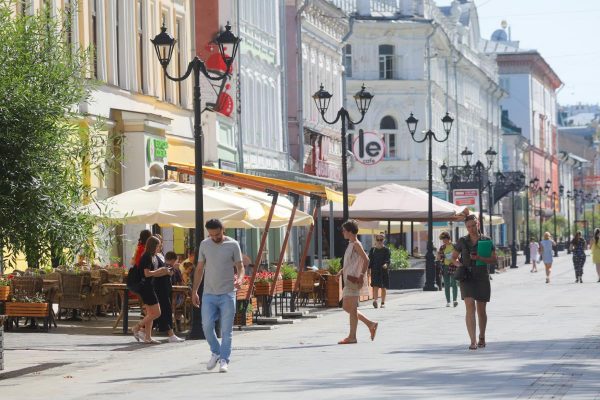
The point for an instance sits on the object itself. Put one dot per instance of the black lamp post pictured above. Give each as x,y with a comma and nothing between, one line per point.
546,190
569,197
164,45
411,122
514,182
554,221
532,184
363,101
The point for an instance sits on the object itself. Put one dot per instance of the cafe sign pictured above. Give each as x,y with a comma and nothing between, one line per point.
156,150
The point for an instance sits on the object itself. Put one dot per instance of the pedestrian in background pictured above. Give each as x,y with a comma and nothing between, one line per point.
379,261
164,291
596,251
578,245
217,255
444,256
476,290
533,254
141,246
547,252
353,272
152,267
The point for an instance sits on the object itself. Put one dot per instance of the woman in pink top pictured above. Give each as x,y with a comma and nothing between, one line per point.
353,272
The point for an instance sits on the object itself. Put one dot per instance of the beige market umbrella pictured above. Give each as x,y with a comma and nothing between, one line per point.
281,213
173,204
397,203
378,227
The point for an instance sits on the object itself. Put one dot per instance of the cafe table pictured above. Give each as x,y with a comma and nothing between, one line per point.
124,314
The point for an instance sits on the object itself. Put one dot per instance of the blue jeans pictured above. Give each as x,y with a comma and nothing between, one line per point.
218,307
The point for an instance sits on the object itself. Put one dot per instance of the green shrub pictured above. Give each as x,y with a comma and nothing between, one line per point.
334,265
288,272
398,258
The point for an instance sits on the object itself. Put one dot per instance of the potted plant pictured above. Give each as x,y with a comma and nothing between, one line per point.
264,282
333,288
242,292
401,275
245,319
289,276
35,306
4,288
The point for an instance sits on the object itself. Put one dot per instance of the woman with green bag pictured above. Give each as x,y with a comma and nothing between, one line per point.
475,252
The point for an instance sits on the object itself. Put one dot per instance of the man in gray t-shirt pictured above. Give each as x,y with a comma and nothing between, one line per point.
217,256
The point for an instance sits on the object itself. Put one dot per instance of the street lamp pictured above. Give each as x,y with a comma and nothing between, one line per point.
164,45
554,221
546,190
411,122
479,169
569,197
363,101
514,182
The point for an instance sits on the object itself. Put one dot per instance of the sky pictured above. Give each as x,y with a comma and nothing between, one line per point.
565,33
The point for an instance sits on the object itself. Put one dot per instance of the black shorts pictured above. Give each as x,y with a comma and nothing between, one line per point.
148,294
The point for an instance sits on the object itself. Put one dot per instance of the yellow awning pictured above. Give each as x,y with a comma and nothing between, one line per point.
304,188
180,152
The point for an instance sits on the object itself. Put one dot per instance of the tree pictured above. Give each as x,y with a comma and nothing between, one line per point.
46,153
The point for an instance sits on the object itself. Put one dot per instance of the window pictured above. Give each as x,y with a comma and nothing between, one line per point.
388,127
117,43
140,44
348,60
95,36
386,61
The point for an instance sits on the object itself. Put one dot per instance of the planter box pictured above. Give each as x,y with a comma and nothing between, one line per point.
242,292
16,309
264,289
4,292
333,291
239,319
289,285
409,278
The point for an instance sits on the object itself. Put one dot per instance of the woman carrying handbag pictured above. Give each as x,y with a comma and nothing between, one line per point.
474,277
353,272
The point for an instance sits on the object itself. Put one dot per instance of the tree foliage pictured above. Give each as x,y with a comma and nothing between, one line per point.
45,150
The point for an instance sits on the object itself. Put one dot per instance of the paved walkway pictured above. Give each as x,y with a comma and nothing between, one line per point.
543,343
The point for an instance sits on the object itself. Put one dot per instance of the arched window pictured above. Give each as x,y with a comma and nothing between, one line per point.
386,61
389,128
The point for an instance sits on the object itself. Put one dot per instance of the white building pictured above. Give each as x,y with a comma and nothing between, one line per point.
262,60
418,58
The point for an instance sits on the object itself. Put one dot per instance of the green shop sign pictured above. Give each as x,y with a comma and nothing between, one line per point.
156,150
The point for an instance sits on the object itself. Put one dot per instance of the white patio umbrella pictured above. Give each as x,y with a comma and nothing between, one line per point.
281,213
173,204
378,227
397,203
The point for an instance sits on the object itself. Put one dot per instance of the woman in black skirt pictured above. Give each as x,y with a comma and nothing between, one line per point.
379,260
476,290
153,267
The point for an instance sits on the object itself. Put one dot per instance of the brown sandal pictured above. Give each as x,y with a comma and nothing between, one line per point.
347,341
473,347
481,342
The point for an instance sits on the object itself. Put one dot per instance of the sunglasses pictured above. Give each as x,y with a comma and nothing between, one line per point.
379,239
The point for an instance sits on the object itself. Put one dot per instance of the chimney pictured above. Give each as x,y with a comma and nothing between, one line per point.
363,8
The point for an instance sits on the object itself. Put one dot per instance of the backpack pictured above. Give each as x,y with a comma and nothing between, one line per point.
135,279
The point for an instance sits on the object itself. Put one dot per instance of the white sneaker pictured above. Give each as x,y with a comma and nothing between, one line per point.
175,339
447,304
212,363
223,366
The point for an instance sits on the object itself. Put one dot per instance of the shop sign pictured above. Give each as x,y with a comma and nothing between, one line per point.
368,148
156,150
466,198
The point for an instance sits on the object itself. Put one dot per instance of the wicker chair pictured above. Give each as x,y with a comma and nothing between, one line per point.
75,292
312,285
